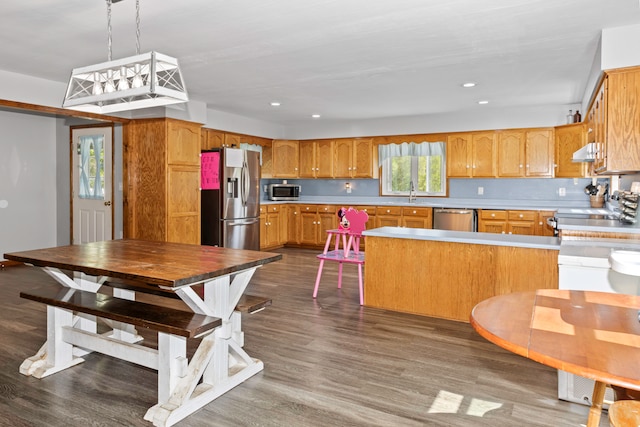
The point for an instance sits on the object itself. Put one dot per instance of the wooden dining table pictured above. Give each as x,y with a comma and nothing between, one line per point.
595,335
184,386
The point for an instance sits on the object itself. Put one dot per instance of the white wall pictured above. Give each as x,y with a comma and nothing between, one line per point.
481,118
620,47
32,90
27,182
240,124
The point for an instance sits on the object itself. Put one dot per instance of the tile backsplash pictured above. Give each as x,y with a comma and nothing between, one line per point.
546,189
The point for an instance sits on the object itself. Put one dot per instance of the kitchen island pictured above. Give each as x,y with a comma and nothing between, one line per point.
445,274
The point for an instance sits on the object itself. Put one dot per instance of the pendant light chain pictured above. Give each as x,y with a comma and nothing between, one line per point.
137,27
109,28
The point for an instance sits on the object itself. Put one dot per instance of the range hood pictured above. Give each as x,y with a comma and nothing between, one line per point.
586,153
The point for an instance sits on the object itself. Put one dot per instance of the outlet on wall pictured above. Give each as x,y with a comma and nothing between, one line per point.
562,191
480,191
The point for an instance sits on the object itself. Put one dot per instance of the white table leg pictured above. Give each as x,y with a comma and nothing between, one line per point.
124,331
219,364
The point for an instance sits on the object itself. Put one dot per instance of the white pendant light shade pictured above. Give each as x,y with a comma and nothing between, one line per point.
141,81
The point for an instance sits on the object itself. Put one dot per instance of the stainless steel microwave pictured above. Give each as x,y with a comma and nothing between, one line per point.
284,192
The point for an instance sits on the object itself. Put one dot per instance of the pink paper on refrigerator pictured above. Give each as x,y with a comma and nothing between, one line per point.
210,170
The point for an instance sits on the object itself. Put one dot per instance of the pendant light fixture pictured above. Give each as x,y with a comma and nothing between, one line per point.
141,81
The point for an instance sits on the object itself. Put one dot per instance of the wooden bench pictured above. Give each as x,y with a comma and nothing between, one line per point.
150,316
247,304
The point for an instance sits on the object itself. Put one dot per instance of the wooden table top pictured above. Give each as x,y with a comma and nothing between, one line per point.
155,263
591,334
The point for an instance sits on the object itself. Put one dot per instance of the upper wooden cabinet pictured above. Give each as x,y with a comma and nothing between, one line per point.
483,154
525,153
353,158
459,156
162,180
539,153
471,155
211,138
316,159
614,119
569,139
511,147
285,158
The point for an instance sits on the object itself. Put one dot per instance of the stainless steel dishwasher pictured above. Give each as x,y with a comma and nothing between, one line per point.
454,219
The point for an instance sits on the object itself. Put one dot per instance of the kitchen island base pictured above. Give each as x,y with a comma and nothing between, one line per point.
447,279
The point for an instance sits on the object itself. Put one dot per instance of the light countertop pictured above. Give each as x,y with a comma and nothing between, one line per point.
537,242
437,202
598,225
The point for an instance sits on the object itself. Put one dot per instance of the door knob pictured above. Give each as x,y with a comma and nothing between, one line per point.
107,203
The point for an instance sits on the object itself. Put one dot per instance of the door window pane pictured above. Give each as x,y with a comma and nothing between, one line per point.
91,164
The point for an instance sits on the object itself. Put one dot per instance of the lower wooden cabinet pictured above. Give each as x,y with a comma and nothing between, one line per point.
492,221
417,217
270,226
306,225
542,228
314,221
514,222
388,216
522,222
293,224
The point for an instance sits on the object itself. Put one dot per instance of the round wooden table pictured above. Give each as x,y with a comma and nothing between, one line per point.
592,334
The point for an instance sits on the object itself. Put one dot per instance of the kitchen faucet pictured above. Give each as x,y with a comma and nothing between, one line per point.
412,192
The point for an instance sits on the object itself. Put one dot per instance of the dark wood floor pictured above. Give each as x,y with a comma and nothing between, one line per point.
328,362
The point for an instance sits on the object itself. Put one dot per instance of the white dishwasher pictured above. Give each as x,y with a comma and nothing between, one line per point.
584,265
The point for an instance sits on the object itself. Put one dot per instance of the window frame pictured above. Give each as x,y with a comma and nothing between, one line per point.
386,177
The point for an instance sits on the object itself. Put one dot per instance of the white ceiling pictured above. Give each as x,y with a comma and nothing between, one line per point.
343,59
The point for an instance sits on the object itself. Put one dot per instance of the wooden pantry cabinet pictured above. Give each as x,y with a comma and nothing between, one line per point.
354,158
316,159
285,158
471,155
569,139
161,160
614,122
525,153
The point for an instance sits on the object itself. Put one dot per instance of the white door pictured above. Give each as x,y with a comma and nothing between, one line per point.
92,167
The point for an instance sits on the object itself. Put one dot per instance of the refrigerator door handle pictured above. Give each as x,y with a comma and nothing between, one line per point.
243,222
245,182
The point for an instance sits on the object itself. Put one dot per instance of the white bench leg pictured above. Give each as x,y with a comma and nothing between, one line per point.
55,355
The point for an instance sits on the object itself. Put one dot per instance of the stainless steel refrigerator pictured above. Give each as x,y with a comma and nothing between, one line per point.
230,198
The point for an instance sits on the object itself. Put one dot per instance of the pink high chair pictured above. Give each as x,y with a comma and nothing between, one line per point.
352,224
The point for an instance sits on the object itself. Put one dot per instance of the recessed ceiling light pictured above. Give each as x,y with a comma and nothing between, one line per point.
315,116
469,84
483,102
275,104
